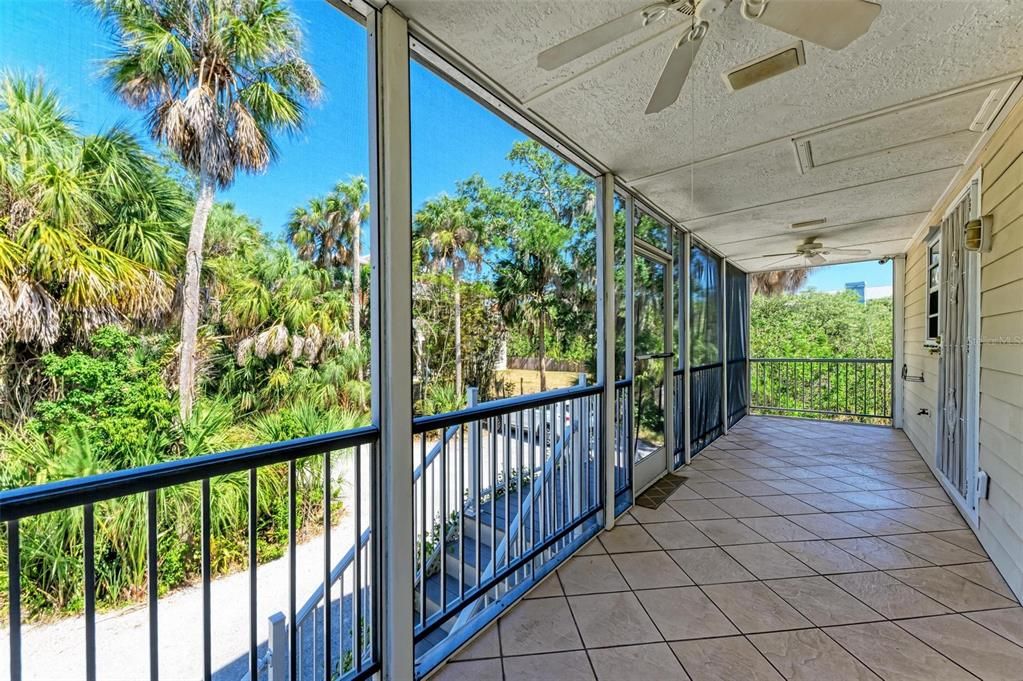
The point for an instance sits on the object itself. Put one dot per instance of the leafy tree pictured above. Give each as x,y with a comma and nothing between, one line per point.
218,78
90,232
448,237
779,281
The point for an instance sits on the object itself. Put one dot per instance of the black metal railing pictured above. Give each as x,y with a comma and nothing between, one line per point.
705,418
356,655
510,494
679,397
858,390
623,444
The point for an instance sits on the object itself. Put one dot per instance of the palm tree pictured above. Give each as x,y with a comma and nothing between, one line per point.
327,232
218,78
91,230
778,281
447,236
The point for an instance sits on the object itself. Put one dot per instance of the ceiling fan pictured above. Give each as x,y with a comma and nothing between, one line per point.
813,252
829,23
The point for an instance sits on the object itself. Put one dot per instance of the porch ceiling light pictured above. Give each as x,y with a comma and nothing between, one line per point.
763,68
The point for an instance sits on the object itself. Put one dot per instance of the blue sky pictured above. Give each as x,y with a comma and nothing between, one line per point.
452,136
835,277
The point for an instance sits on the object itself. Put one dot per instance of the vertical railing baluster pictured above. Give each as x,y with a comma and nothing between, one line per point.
204,549
152,578
89,548
492,429
253,565
506,478
327,642
423,522
293,639
475,444
14,596
357,562
443,541
461,512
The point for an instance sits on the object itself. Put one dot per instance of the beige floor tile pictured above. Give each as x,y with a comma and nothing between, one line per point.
887,595
710,566
752,488
570,666
830,485
753,607
985,574
979,650
822,602
826,526
650,570
874,523
685,613
792,487
872,501
712,490
743,507
767,561
650,662
728,531
786,505
951,590
678,535
932,549
727,475
628,538
547,588
724,659
895,655
626,519
911,498
698,509
824,557
809,655
612,619
922,520
964,539
472,670
485,645
1007,623
683,493
879,553
591,574
776,528
947,512
591,548
542,625
662,514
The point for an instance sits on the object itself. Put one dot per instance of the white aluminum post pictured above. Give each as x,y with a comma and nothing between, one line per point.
630,330
606,338
392,330
898,337
724,346
687,252
277,645
669,366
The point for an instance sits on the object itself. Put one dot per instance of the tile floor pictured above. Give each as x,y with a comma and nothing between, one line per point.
796,550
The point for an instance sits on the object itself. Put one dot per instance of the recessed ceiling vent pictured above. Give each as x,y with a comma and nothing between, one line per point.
763,68
808,223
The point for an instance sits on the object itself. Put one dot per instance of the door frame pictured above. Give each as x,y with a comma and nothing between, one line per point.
642,249
968,506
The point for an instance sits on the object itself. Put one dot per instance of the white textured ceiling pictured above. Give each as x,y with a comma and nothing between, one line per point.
887,120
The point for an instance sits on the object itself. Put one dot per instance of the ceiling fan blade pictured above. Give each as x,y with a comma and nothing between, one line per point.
774,264
673,77
850,251
591,40
816,259
832,24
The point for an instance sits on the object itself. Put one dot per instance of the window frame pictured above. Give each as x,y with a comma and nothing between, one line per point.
932,299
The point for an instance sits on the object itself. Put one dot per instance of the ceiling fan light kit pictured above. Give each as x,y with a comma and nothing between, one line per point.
833,24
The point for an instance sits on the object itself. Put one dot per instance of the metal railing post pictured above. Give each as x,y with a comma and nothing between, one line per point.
472,398
277,647
606,343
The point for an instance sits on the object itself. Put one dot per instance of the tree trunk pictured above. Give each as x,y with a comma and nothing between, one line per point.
190,296
357,291
458,335
542,351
